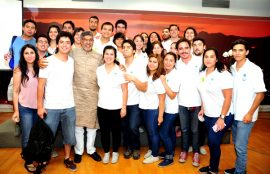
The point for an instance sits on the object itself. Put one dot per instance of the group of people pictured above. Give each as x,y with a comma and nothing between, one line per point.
88,80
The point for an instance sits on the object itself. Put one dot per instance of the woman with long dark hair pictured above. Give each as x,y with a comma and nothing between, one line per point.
25,94
215,87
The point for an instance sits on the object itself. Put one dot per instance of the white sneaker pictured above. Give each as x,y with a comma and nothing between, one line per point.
190,149
150,159
106,158
203,150
54,154
115,157
148,154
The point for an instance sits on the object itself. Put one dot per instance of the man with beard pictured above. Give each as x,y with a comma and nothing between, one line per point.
198,47
189,100
93,24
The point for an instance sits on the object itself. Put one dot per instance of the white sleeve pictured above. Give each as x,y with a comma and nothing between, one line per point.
159,86
226,81
257,80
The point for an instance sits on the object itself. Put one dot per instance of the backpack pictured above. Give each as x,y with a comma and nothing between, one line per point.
39,146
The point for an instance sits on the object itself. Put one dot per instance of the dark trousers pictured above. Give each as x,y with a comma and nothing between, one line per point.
167,133
130,127
150,120
214,139
109,122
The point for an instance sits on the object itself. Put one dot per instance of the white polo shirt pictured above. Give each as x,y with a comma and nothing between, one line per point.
149,99
248,81
137,70
110,94
188,74
98,46
210,88
142,58
59,84
171,105
167,45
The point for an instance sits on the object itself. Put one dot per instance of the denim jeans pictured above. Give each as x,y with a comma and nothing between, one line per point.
150,120
240,134
167,133
28,118
130,127
214,139
189,126
67,117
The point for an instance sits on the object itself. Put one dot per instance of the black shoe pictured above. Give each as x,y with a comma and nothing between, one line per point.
77,158
204,169
69,164
165,162
128,153
95,156
162,155
136,154
229,171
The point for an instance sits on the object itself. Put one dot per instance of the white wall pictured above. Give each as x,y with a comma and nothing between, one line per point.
237,7
11,24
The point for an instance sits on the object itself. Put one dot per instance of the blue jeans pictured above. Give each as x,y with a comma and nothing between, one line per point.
130,127
240,134
28,118
67,117
150,119
189,126
214,139
167,133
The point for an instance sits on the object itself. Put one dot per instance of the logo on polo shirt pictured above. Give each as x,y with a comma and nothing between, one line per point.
244,78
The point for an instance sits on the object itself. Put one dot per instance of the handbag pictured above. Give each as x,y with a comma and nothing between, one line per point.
11,61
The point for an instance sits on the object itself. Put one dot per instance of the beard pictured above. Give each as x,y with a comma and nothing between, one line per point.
91,29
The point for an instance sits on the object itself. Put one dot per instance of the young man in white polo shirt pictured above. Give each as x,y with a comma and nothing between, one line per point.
189,100
55,94
104,40
248,92
137,81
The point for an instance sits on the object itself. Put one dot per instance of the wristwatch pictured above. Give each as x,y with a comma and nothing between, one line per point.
222,117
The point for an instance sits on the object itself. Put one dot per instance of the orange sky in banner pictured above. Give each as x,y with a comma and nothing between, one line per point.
139,21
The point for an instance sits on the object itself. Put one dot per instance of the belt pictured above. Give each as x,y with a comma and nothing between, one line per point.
193,108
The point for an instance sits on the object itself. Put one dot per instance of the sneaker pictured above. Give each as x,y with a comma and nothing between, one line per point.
136,155
115,157
54,154
196,160
150,159
128,153
229,171
165,162
183,157
162,155
148,154
106,158
203,150
69,164
190,149
204,170
95,156
77,158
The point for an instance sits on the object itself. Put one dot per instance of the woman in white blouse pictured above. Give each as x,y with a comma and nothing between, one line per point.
112,102
215,87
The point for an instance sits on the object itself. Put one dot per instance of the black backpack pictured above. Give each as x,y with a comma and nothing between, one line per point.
39,146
